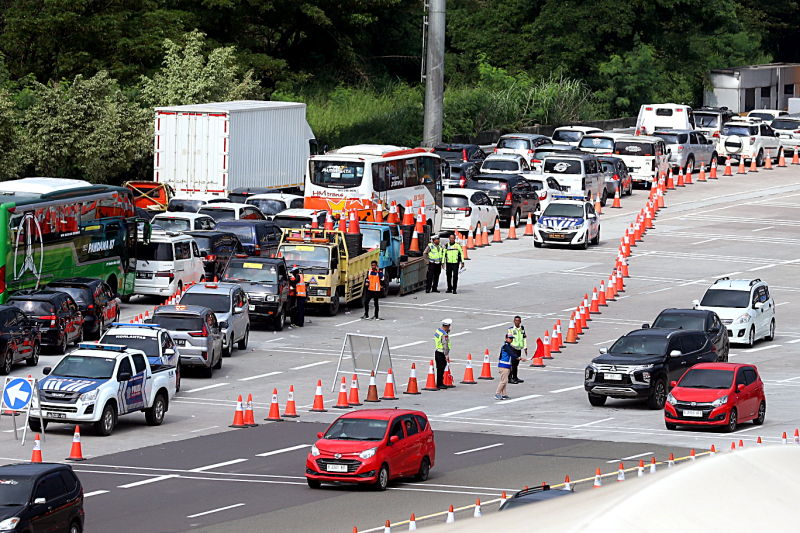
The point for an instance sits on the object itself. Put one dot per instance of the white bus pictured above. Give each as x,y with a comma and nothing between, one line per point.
364,176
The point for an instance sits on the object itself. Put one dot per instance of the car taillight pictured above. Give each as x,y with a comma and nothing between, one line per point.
495,149
509,199
211,257
616,177
201,333
169,275
258,249
467,210
91,306
796,131
464,155
536,161
530,152
680,148
542,195
648,108
752,140
51,318
679,110
462,182
715,134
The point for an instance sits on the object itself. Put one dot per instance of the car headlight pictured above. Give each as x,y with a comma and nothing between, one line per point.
89,396
720,401
9,523
366,454
744,319
314,451
272,298
223,325
671,399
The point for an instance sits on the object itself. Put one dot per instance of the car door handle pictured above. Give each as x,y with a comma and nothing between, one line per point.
683,362
149,377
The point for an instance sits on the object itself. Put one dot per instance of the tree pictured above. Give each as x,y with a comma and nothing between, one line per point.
8,137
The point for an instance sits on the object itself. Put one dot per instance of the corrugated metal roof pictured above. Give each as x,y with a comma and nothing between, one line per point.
238,105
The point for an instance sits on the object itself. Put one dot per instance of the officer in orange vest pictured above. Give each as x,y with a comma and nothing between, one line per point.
372,290
298,285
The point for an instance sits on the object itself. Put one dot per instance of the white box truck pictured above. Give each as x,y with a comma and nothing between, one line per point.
218,147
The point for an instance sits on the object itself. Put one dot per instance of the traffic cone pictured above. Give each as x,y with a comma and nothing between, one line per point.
741,443
768,162
702,176
388,390
571,337
512,233
314,223
620,285
687,180
576,316
496,237
582,316
372,392
712,452
595,305
610,289
414,242
713,173
554,347
640,469
692,455
238,416
392,218
598,482
671,461
470,240
469,378
681,181
412,523
249,418
342,402
319,403
76,454
463,244
328,221
477,513
601,294
741,166
353,400
431,383
408,214
796,437
486,369
758,442
586,305
652,465
486,234
448,377
36,456
379,213
274,409
290,411
387,528
782,159
670,181
451,516
621,473
546,345
617,204
412,381
753,166
783,439
528,227
623,267
503,498
419,225
795,157
598,207
660,201
567,485
558,333
728,169
733,446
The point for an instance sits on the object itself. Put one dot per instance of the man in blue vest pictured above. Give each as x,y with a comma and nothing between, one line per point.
507,357
517,332
442,354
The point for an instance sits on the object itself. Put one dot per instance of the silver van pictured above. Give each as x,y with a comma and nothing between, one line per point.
196,332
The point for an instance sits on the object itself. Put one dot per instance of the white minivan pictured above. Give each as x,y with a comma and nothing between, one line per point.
646,157
654,117
169,262
575,173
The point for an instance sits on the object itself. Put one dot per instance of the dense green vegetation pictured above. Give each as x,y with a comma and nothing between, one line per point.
78,78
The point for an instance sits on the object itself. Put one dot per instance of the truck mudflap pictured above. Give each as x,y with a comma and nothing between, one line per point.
412,275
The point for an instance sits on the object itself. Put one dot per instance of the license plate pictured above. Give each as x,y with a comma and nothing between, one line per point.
613,377
449,215
180,342
251,307
337,468
55,415
144,275
557,235
693,413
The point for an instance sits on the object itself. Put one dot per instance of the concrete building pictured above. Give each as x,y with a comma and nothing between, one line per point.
742,89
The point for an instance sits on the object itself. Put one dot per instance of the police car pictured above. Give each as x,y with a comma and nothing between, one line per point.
568,220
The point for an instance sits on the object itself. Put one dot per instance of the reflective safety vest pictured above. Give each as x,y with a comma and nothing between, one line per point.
373,281
454,254
439,338
301,287
520,338
436,253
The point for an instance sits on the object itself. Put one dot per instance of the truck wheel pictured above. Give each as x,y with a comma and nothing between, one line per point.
280,320
333,307
155,415
108,420
242,344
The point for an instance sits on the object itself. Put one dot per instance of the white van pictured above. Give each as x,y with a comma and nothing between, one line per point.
654,117
599,143
171,261
580,174
646,157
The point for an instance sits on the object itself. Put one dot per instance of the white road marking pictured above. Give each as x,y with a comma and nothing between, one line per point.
479,449
782,303
762,229
493,326
521,398
790,379
459,333
726,275
763,348
273,340
146,481
604,342
409,344
692,282
216,510
707,240
567,389
629,458
657,290
283,450
465,410
310,365
592,423
346,323
194,430
507,285
268,374
214,386
95,493
217,465
761,267
436,302
792,342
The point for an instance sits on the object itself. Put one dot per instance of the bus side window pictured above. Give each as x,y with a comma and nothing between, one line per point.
427,172
394,174
410,174
379,177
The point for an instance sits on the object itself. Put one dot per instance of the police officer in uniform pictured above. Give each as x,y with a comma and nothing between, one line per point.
519,343
298,287
442,354
434,255
453,259
372,289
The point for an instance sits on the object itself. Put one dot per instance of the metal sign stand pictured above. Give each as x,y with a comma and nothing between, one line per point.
26,409
353,356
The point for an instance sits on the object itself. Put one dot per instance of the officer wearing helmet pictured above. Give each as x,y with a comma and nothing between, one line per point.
442,354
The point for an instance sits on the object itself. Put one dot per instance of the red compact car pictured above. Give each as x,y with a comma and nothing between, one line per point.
372,446
716,394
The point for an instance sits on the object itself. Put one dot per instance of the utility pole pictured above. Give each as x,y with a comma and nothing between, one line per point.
434,74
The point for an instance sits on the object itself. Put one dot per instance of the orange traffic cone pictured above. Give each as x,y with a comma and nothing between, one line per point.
594,307
554,347
76,454
688,178
470,240
728,169
419,225
528,227
753,166
496,237
319,403
617,204
621,473
620,284
640,468
610,293
671,461
486,234
36,456
713,173
741,166
408,214
623,264
546,345
702,176
512,232
712,452
670,181
379,213
768,162
795,157
448,377
388,391
601,294
537,361
598,207
558,332
430,384
781,158
342,402
314,223
469,378
238,417
249,418
598,480
414,242
274,409
486,370
372,392
291,410
571,337
412,381
392,218
353,399
681,182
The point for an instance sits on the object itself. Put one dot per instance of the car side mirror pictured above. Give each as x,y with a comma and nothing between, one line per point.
148,320
39,501
46,370
672,384
169,351
603,351
592,216
739,387
696,303
758,305
124,376
777,134
675,353
714,329
393,439
319,435
645,326
203,253
238,310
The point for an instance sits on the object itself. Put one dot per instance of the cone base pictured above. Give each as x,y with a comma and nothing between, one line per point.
252,425
274,419
512,238
75,459
469,382
552,351
243,426
389,398
570,342
292,416
350,404
483,377
547,356
318,410
538,366
449,386
406,392
371,401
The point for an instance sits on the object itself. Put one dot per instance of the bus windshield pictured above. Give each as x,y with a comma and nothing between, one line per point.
337,174
305,255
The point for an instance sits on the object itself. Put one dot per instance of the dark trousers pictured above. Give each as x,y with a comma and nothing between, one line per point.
452,276
432,280
441,363
514,366
299,313
371,295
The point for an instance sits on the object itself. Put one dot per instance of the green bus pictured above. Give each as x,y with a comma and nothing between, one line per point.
53,228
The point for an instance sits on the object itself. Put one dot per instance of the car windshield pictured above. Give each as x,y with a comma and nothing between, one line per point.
567,136
514,144
268,207
597,142
744,131
707,378
488,184
78,366
243,231
500,164
762,116
247,271
556,165
670,321
371,239
172,224
455,200
14,490
305,255
706,120
541,153
155,251
219,303
337,174
556,209
33,307
673,138
186,206
449,153
219,214
204,244
181,322
149,345
633,148
636,345
357,429
726,298
81,295
292,222
785,124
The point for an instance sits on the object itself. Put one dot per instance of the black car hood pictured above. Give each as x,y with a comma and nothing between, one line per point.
9,512
608,359
254,287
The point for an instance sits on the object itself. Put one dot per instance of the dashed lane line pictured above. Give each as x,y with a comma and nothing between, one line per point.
630,457
259,376
227,507
407,345
147,481
283,450
479,449
567,389
207,387
95,493
465,410
310,365
217,465
522,398
592,423
752,350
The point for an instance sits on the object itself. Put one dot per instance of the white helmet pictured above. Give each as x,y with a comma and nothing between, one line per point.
447,321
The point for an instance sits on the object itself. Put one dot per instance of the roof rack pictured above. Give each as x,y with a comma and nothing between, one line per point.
726,278
757,280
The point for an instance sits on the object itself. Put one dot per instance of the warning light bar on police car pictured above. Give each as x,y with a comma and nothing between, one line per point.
570,197
121,325
105,347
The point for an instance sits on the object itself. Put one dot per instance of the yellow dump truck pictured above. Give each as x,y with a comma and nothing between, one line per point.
330,271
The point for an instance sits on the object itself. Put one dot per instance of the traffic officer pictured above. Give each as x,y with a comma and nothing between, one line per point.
442,354
372,289
519,343
433,254
453,259
297,286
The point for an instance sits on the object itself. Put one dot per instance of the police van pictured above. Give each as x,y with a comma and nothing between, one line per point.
568,221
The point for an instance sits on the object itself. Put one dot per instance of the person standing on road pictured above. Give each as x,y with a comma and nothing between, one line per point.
507,357
372,290
517,332
442,354
454,259
298,287
433,254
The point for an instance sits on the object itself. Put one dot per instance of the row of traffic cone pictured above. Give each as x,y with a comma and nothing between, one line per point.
450,517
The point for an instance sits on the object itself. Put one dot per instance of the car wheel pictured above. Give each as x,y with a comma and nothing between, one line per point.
730,427
8,360
178,377
155,415
280,320
596,239
100,327
596,400
207,372
771,335
35,426
424,469
242,344
721,161
780,153
659,396
33,360
630,189
762,414
218,365
515,221
689,170
751,337
79,338
75,528
226,352
537,244
382,479
108,419
760,158
64,344
585,244
671,427
313,483
604,198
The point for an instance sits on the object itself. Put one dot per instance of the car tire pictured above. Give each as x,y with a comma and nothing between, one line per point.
585,244
154,416
313,483
178,377
721,161
63,345
79,338
751,337
537,244
671,427
218,364
597,400
207,372
771,335
333,307
515,220
226,352
762,414
596,239
280,320
382,479
75,527
108,419
33,360
730,427
35,426
242,344
424,469
630,189
8,361
659,396
100,326
604,197
689,169
760,158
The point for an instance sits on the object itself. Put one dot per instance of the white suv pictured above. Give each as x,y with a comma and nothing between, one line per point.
169,262
745,308
746,138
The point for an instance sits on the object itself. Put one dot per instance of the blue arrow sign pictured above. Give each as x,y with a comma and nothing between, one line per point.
17,394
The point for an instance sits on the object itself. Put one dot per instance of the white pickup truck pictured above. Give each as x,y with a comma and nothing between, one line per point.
99,382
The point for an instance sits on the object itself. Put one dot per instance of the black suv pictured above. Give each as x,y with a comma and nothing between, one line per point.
19,339
216,248
463,159
41,497
59,319
642,363
258,237
696,320
512,194
266,282
98,303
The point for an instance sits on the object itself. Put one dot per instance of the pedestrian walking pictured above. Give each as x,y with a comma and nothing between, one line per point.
373,286
507,357
453,259
442,354
517,332
434,255
297,289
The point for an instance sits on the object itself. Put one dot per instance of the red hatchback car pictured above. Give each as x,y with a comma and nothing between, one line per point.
372,446
716,394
